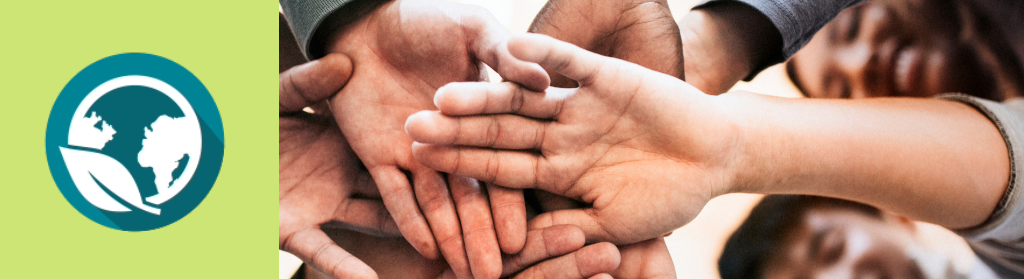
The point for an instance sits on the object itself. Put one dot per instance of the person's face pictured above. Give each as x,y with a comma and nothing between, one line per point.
879,49
841,243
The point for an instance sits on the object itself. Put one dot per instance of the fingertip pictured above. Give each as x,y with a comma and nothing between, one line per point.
426,247
599,258
519,46
564,238
602,276
537,79
417,125
514,242
462,98
491,270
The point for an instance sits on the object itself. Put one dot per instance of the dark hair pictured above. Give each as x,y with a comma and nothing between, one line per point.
762,234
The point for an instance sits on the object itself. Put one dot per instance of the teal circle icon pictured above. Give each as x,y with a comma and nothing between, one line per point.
134,142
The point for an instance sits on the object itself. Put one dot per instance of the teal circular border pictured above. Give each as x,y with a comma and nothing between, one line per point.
191,88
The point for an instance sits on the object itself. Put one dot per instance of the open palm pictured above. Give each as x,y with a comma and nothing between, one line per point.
613,143
401,53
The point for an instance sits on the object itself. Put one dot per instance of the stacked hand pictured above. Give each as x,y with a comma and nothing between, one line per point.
635,144
401,53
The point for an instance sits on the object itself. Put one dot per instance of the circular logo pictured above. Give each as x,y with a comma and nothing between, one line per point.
134,142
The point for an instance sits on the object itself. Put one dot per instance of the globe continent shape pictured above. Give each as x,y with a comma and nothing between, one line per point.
155,139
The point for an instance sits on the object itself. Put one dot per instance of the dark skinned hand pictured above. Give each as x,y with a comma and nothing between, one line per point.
638,31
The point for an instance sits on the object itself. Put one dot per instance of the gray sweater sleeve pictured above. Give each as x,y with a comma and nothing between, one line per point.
796,20
999,241
305,16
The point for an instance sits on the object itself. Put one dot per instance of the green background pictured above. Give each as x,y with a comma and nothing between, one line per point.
231,46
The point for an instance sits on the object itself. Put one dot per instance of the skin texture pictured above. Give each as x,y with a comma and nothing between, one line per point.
401,53
647,151
879,49
638,31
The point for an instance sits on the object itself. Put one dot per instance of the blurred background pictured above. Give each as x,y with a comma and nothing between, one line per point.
695,248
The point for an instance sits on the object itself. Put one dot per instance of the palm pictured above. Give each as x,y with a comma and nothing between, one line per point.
615,142
320,179
625,148
322,183
398,68
401,54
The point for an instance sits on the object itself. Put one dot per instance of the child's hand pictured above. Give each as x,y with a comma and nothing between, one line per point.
645,149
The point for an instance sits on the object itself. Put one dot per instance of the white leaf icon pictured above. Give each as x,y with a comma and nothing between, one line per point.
84,166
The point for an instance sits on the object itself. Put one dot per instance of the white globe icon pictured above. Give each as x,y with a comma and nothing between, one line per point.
167,140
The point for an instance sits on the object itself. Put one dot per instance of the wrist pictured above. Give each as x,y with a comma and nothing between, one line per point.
757,158
338,22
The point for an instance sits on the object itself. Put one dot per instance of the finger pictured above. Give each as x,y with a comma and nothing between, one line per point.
489,43
367,214
501,131
586,262
401,202
544,244
435,201
315,248
469,98
477,227
509,210
586,219
564,58
313,82
509,168
601,276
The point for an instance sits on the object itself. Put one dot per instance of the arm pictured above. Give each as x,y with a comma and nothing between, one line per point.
726,41
932,160
648,151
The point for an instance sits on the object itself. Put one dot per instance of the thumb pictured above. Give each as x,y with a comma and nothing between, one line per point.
315,248
313,82
585,218
489,43
563,58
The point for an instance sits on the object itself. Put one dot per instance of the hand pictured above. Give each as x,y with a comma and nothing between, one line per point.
645,260
402,52
638,31
322,183
646,150
724,41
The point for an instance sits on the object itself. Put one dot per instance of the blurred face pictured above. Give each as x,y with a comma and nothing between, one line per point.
894,49
841,243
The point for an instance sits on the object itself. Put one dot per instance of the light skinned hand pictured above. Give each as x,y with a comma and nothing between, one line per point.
615,142
402,52
322,182
638,31
648,151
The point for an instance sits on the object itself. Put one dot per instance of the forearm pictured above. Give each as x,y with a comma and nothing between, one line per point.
931,160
